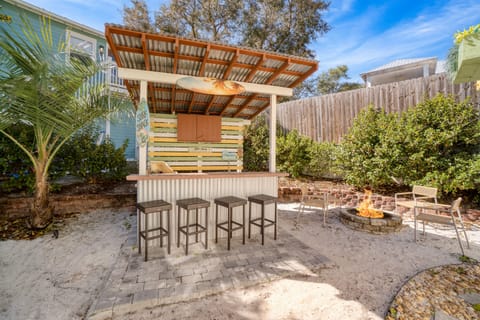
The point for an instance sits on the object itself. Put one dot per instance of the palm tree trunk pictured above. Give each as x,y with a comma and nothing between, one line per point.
41,213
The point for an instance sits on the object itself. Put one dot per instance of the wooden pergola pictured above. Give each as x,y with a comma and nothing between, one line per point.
151,64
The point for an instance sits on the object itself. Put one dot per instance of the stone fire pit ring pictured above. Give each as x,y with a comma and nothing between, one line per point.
388,224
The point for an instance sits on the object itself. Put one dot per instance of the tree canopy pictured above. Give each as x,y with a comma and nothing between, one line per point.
275,25
330,81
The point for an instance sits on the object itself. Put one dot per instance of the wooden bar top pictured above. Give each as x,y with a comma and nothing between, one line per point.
212,175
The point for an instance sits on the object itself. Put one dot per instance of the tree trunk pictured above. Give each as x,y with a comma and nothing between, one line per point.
41,213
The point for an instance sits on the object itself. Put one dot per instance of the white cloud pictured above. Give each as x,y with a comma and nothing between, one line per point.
430,33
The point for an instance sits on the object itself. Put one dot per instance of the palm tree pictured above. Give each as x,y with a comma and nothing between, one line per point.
46,89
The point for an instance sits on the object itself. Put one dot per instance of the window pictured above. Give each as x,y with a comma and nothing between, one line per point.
79,44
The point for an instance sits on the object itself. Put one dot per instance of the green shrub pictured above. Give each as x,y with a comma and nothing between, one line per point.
322,163
293,153
15,168
82,157
256,147
368,154
442,141
436,143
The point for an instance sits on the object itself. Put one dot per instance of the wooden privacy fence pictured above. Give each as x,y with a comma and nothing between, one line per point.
328,117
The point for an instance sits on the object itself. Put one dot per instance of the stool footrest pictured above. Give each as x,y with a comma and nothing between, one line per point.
237,224
185,229
270,222
144,234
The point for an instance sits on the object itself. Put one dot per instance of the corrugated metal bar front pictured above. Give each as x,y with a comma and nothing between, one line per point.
207,189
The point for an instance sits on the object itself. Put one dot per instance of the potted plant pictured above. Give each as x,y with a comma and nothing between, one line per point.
463,62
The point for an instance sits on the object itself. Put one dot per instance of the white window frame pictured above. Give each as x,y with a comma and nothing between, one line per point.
77,35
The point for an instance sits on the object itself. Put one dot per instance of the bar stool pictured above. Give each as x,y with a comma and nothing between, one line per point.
188,205
229,202
147,208
263,200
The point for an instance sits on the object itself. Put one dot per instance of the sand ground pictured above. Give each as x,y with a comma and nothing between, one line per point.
60,278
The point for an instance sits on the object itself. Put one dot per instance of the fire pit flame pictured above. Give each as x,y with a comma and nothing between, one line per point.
365,209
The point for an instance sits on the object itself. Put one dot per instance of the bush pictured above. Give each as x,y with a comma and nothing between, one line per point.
323,159
256,147
15,167
82,157
437,143
293,153
368,154
442,141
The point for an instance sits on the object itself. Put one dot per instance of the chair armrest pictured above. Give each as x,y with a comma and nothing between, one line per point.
403,193
425,198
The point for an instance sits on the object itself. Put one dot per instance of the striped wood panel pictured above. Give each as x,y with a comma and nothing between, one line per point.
208,189
196,156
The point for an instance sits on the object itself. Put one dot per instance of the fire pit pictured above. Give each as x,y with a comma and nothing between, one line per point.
365,218
389,223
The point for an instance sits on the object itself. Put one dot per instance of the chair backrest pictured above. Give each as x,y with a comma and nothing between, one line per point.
425,191
456,205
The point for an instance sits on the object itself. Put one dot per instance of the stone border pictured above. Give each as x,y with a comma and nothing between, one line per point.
390,223
443,292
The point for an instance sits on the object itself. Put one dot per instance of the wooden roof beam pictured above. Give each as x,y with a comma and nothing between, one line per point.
147,67
245,104
305,76
252,72
230,66
169,78
278,72
174,71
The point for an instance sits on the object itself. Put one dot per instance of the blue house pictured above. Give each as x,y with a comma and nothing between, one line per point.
92,43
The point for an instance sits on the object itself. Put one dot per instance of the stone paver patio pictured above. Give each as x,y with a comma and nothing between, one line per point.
165,279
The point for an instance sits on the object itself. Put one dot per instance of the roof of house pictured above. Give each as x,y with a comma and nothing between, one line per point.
179,56
55,17
401,69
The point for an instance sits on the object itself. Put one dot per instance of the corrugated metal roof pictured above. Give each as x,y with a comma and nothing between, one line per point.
135,49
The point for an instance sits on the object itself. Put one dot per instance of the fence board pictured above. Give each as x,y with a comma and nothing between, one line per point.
329,117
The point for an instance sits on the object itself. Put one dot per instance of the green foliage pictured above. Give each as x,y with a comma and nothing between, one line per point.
442,141
256,146
82,157
323,159
15,167
293,154
437,143
364,153
330,81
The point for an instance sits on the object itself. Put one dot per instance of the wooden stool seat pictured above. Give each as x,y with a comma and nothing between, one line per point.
229,226
188,205
147,208
262,222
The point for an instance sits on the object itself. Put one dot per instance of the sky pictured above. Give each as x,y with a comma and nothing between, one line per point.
364,34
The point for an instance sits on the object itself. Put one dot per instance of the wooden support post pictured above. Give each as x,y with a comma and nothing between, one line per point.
273,137
142,151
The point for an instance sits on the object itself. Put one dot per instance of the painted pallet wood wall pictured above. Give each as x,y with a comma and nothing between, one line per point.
329,117
226,155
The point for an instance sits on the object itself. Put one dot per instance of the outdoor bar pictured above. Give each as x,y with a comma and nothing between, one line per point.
194,99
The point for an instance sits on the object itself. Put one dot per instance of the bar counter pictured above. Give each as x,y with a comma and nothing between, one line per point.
208,186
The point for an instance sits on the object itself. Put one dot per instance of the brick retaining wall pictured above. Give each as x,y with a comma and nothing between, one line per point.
339,197
17,207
